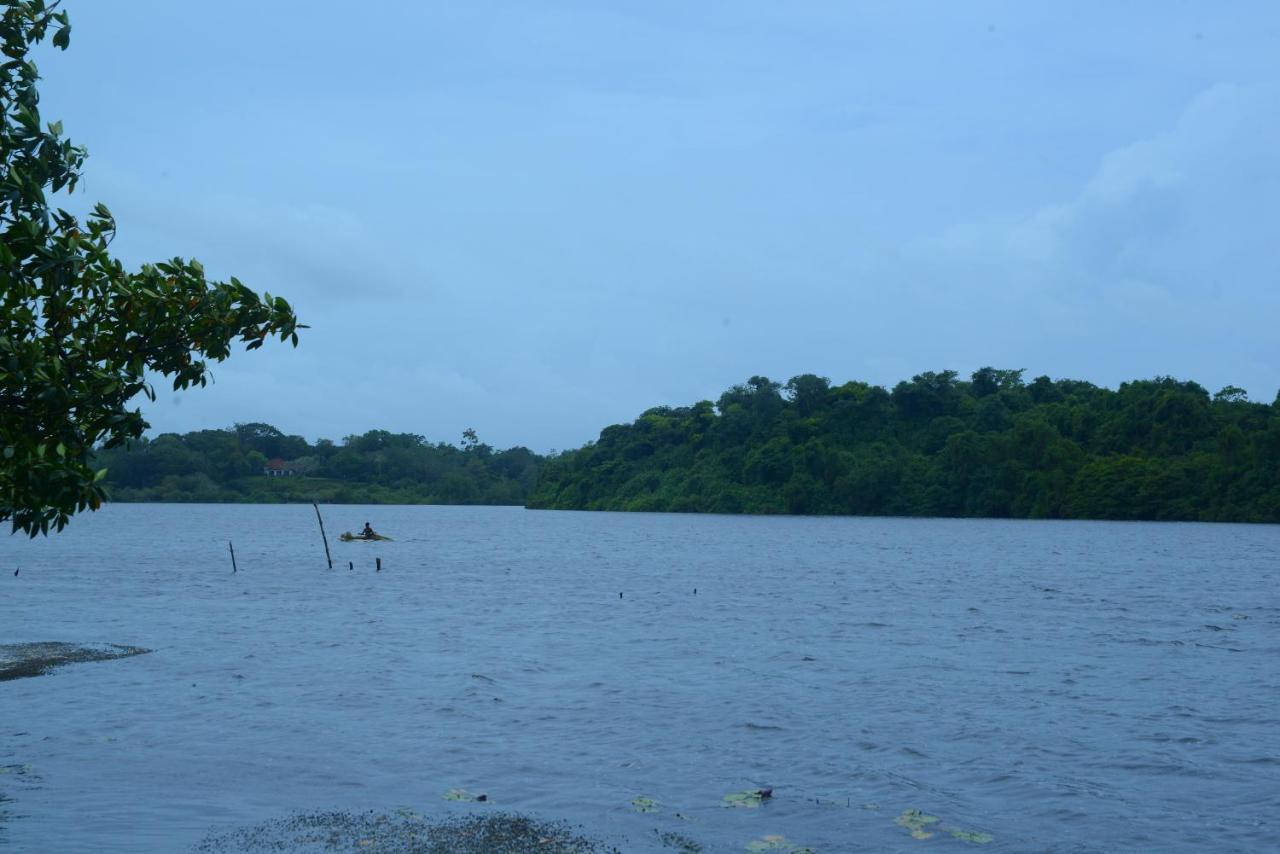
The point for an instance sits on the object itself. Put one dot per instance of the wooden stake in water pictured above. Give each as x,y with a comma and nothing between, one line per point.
379,560
233,557
327,556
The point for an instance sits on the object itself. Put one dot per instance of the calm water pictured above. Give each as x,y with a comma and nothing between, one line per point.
1061,686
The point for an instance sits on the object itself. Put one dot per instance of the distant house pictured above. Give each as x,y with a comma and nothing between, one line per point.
277,468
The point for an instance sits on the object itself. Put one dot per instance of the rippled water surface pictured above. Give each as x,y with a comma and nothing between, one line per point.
1059,686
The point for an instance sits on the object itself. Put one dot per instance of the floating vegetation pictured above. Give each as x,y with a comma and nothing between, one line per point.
924,826
643,804
464,795
776,842
916,822
972,836
747,800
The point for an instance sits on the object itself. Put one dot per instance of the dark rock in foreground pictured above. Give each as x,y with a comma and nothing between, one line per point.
405,832
32,659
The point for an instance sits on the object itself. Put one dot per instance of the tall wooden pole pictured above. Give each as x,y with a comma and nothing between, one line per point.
327,556
233,556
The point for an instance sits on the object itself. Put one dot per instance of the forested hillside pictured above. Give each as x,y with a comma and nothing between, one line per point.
938,446
257,462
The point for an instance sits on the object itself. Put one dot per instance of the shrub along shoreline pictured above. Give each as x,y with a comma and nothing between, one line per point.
256,463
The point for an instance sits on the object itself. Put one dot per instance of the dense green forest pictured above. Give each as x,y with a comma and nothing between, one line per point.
258,463
937,445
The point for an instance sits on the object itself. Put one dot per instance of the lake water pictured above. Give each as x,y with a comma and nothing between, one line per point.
1062,686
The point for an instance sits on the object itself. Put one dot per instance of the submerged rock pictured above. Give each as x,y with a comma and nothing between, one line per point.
32,659
497,833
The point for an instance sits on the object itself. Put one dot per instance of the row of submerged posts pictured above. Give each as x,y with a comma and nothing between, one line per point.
328,556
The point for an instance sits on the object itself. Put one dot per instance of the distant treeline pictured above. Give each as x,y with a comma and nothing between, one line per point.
258,463
937,445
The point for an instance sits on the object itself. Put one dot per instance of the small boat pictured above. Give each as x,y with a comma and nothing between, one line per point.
347,537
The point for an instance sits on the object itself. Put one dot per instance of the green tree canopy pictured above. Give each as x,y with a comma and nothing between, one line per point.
938,446
79,333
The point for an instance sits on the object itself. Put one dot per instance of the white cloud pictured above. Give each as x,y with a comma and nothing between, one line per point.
1167,246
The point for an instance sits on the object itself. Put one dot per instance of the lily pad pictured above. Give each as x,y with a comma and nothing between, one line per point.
976,836
776,842
749,799
464,795
916,822
643,804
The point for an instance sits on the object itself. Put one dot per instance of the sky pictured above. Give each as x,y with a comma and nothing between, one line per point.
536,219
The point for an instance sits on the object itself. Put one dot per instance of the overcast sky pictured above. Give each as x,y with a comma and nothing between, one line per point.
540,218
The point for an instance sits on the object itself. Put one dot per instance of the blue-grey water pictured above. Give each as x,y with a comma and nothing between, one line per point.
1065,686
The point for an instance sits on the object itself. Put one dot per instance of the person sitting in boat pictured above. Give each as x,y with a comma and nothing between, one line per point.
367,533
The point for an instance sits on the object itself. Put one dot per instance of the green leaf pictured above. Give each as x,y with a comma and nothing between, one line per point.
79,334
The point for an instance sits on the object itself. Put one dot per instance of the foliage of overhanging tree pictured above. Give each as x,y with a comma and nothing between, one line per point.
78,332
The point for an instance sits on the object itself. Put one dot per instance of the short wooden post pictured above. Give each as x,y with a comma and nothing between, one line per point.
351,564
233,557
379,560
327,556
